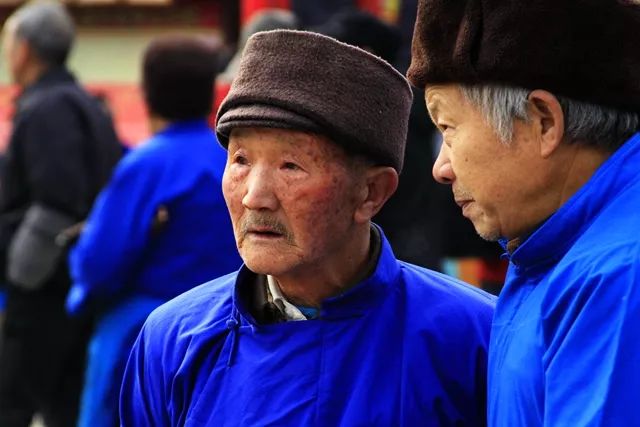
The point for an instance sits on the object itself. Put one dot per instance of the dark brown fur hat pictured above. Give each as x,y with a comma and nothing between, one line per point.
307,81
588,50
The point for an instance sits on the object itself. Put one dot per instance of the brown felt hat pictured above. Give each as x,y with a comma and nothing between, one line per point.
588,50
310,82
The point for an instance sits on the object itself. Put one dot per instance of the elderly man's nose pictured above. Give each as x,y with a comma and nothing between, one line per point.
442,170
260,192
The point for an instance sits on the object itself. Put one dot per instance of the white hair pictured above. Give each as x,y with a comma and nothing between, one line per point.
585,123
47,27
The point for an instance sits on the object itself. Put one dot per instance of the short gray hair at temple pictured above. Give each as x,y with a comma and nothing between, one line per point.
585,123
48,28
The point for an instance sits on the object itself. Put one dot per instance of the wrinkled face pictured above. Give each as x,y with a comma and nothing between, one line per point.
291,196
493,182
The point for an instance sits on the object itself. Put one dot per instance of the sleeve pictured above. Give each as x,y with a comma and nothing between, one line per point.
592,363
143,396
117,230
52,139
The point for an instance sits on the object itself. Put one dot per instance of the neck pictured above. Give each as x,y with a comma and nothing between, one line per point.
31,74
583,165
571,169
334,276
157,123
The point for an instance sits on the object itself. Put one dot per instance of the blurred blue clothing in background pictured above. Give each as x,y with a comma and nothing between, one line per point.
108,342
179,169
159,228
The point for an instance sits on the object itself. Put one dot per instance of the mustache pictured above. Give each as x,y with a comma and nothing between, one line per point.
460,193
253,221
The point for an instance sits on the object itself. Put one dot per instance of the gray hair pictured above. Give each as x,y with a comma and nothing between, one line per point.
48,28
585,123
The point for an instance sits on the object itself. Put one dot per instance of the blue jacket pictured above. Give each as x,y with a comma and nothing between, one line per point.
565,344
181,169
405,347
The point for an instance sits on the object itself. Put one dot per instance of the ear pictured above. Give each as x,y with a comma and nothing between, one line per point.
548,119
380,183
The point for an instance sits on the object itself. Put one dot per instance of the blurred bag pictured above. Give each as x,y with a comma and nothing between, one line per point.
34,253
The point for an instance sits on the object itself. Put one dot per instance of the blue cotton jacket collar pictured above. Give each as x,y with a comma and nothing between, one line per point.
417,356
554,238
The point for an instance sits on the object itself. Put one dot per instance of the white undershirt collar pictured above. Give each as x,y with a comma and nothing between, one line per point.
290,311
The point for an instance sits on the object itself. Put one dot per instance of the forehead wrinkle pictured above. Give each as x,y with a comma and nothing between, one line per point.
297,144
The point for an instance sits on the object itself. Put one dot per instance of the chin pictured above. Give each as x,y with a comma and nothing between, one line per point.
487,233
265,264
490,237
487,227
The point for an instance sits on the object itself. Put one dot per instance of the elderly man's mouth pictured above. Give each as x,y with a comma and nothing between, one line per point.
264,234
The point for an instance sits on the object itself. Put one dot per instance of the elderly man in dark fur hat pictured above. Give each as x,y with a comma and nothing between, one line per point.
322,326
539,103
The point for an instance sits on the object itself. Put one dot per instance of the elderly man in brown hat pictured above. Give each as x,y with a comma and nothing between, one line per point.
322,326
538,103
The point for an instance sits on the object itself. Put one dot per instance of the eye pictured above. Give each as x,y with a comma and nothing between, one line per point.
290,166
239,159
443,127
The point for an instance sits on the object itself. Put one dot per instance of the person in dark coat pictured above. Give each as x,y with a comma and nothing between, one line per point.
61,151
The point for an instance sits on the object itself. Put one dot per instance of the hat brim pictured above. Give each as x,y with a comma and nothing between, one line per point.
260,115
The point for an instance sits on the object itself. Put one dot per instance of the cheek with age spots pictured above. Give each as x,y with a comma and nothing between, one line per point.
231,188
328,201
333,201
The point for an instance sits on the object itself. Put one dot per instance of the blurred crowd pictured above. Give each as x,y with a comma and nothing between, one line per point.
95,236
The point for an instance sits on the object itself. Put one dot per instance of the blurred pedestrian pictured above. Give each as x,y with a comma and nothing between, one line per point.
160,226
264,20
61,152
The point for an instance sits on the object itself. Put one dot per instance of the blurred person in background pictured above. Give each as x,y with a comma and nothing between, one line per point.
539,106
61,152
362,29
160,226
322,325
313,13
264,20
